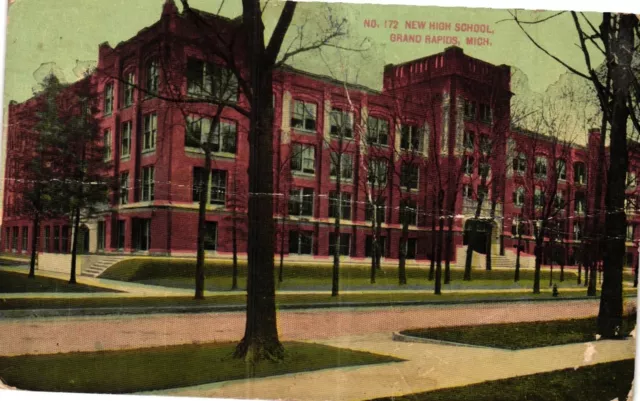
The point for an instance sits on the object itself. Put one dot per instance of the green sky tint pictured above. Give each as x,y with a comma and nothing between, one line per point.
61,32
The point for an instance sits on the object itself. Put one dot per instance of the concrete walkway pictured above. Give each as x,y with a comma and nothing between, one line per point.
428,367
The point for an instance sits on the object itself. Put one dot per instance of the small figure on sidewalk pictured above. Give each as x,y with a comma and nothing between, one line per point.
555,290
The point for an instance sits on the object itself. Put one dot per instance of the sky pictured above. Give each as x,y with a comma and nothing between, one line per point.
62,32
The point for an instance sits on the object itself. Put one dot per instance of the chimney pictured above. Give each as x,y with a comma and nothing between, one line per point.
169,8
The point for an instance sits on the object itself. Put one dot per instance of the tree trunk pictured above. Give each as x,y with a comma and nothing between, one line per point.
447,250
563,261
261,331
282,234
335,274
516,277
402,274
551,246
610,313
34,245
538,264
593,271
433,239
234,245
438,284
488,254
202,216
374,248
579,273
74,244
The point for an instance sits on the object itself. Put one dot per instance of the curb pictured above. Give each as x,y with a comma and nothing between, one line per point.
397,336
137,310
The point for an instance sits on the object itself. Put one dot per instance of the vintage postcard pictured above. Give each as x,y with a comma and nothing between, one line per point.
319,201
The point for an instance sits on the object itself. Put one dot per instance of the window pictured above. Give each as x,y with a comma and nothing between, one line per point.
14,238
483,192
485,168
341,123
469,110
541,167
410,138
468,165
346,163
377,174
107,145
577,231
467,191
127,93
630,231
25,238
520,164
579,173
47,239
377,131
409,211
223,137
65,238
343,205
7,235
141,234
411,246
210,235
125,140
485,144
485,112
301,242
303,159
561,169
344,244
151,84
150,131
102,235
304,116
379,210
124,188
469,140
631,179
580,203
121,231
218,187
301,202
368,246
409,176
538,198
147,189
559,201
108,98
518,197
56,238
209,80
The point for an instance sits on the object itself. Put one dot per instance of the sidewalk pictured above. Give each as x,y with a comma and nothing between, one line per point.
428,367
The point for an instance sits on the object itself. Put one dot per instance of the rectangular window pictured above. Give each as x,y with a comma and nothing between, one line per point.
409,210
124,188
25,238
102,235
483,192
469,140
561,169
14,239
127,93
467,191
301,202
148,183
580,173
121,231
520,164
125,139
343,204
410,138
108,98
345,244
346,165
199,184
218,187
485,144
377,131
469,110
301,242
538,198
222,138
580,203
518,197
630,232
210,235
141,234
65,238
206,80
412,245
56,238
341,124
468,165
47,239
377,174
151,84
484,169
303,116
485,113
409,176
368,246
379,210
541,167
108,150
631,179
303,159
150,131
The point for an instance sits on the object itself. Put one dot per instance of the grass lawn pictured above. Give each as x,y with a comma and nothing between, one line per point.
601,382
281,299
520,335
179,273
165,367
11,282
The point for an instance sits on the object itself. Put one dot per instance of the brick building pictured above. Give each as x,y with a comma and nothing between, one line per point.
439,124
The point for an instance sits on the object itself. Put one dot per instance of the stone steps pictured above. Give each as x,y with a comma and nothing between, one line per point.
97,268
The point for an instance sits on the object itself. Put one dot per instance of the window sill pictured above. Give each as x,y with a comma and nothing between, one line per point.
126,106
147,152
219,155
304,131
303,174
125,158
104,115
343,180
